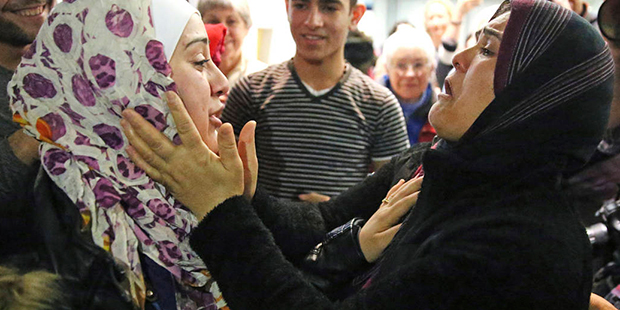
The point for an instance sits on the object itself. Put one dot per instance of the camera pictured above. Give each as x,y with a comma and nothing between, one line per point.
601,233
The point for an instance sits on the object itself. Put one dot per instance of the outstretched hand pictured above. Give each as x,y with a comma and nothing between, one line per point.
382,226
197,177
464,6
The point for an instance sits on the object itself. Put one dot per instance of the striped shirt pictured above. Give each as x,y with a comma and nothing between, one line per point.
321,144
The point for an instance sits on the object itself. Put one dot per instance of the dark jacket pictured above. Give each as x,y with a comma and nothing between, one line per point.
512,246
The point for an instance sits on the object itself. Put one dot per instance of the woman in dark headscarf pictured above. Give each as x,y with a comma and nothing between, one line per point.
491,228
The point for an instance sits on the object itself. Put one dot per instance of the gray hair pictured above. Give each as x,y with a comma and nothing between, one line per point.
409,38
240,6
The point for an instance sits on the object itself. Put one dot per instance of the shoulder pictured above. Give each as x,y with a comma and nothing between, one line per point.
272,72
368,90
255,65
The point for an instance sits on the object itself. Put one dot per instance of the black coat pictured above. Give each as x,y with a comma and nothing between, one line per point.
517,246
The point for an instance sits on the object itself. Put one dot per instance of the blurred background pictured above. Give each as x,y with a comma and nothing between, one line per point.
270,39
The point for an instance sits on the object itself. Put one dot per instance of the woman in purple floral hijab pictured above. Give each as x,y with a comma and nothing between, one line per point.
90,61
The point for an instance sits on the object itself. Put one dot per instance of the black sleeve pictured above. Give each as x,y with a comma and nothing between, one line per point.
299,226
456,269
15,176
332,265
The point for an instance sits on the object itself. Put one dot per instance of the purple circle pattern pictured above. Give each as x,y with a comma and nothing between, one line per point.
37,86
82,91
104,70
110,135
63,37
119,22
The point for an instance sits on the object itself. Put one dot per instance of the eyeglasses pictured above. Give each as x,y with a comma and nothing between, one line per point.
609,19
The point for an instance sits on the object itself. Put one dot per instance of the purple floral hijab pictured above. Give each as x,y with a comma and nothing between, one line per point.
90,61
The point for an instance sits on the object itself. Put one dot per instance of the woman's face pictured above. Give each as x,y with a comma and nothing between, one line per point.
199,81
409,71
436,21
469,89
236,30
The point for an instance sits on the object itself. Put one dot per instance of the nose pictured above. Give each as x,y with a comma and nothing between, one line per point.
218,82
461,60
314,19
410,71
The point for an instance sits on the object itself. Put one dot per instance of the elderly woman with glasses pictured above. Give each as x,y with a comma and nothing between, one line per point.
410,63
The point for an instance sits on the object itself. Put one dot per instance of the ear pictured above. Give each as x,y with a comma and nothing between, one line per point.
356,14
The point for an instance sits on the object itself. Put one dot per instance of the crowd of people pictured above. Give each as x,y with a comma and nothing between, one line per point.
146,162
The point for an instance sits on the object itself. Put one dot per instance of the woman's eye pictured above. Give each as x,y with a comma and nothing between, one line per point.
485,52
201,63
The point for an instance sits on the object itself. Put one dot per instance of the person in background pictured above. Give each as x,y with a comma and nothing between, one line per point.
491,227
359,52
380,70
235,15
410,59
581,7
443,22
20,21
216,33
321,123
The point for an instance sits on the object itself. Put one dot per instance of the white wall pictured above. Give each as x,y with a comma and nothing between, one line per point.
269,17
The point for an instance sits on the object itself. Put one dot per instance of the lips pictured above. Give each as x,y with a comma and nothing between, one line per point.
215,118
30,11
312,37
448,87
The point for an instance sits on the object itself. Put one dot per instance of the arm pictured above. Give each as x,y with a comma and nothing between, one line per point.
253,274
454,27
19,156
389,132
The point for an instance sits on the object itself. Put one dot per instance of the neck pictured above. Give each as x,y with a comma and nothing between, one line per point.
320,74
229,63
10,55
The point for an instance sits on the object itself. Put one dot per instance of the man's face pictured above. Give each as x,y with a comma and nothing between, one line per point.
320,27
20,20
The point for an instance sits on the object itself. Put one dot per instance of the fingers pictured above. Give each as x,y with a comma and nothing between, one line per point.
402,189
247,146
228,147
140,130
148,153
247,151
313,197
185,126
390,194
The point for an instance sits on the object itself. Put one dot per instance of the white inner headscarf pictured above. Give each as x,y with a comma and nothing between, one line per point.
169,20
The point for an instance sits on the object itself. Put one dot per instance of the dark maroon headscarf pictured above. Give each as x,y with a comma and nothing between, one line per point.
553,86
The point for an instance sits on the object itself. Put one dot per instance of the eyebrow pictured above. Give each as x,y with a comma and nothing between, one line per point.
204,40
477,34
492,32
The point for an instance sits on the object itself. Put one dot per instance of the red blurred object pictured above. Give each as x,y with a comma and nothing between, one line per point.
217,33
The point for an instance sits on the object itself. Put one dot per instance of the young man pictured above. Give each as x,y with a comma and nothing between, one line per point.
321,123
